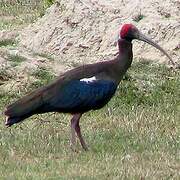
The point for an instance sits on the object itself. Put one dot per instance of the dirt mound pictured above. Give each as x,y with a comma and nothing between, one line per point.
82,31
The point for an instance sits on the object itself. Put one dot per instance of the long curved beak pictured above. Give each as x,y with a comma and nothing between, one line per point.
142,37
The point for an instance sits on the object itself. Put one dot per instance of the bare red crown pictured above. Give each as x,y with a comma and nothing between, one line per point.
125,29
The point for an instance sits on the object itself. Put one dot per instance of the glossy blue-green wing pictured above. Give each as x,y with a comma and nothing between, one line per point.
79,96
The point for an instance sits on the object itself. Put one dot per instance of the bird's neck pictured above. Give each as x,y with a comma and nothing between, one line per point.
125,48
125,54
123,61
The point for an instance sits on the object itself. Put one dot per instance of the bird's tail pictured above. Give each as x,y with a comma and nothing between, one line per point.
23,108
12,120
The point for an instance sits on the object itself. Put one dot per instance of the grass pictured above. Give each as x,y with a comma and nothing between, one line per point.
7,42
20,13
43,76
44,55
136,136
138,17
15,59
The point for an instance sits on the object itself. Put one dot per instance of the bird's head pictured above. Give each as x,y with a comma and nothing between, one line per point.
129,32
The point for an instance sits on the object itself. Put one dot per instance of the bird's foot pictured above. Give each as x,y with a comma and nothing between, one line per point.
73,148
84,146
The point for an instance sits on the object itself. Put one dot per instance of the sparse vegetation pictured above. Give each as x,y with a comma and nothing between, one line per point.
47,56
43,76
138,17
19,13
15,59
7,42
136,136
4,75
49,2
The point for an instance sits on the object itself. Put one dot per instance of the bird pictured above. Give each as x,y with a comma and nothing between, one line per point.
84,88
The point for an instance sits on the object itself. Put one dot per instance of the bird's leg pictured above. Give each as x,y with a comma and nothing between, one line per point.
76,128
78,131
73,136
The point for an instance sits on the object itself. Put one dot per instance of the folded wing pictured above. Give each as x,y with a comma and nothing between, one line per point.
80,96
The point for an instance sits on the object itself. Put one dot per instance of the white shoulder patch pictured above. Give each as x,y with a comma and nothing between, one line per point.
91,79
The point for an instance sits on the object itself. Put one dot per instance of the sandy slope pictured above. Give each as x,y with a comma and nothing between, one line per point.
85,30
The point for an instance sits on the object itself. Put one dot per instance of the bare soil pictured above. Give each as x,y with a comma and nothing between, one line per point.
85,31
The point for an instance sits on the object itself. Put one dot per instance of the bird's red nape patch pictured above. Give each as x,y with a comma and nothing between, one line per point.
125,29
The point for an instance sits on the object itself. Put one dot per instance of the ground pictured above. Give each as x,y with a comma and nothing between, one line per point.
136,136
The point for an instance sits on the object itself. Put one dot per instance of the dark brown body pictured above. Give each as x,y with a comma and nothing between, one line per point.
71,93
110,70
35,102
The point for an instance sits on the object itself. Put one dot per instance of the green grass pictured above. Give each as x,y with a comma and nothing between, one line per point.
49,2
15,59
20,13
138,17
43,76
8,42
136,136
